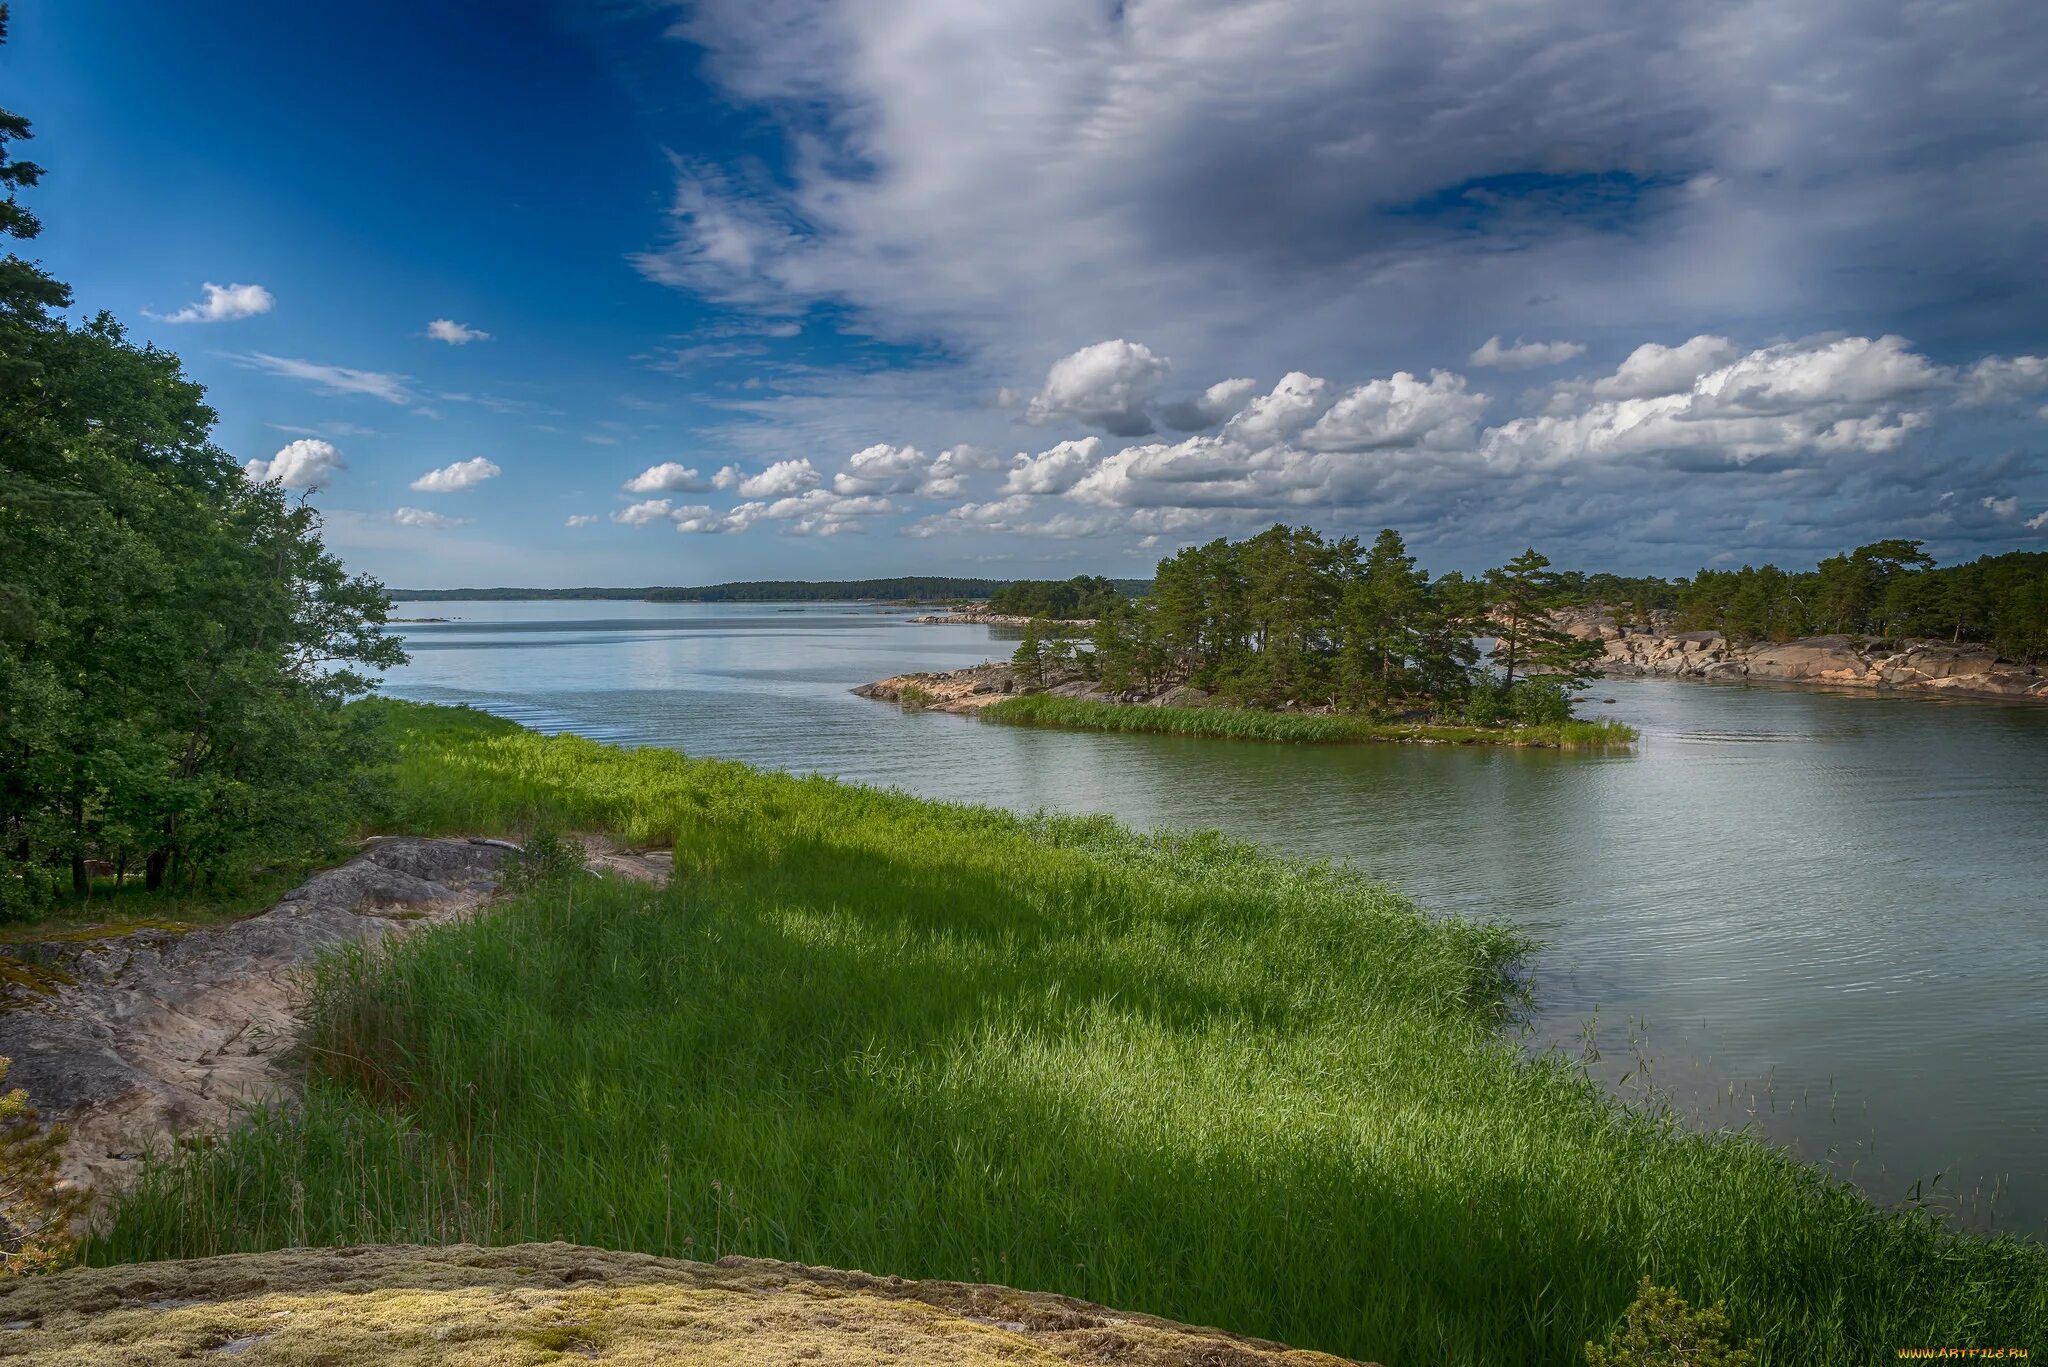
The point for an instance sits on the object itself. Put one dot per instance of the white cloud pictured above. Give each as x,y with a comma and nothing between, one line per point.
454,333
334,379
1998,379
2037,521
1823,394
1653,369
422,517
1212,406
1297,400
1054,471
669,477
702,519
463,474
816,512
882,469
728,477
580,520
1400,411
304,464
1107,385
947,476
2000,507
782,478
642,513
222,304
1523,355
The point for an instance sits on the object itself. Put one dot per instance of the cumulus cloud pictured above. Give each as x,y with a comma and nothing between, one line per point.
304,464
2000,507
1210,407
1523,355
1998,379
1107,385
454,333
1824,394
642,513
334,379
1400,411
1297,400
463,474
1054,471
222,304
2037,521
815,512
782,478
425,518
669,477
949,472
882,469
580,520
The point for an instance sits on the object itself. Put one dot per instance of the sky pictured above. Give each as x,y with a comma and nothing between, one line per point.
646,293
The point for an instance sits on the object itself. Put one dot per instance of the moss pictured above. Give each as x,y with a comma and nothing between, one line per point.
544,1303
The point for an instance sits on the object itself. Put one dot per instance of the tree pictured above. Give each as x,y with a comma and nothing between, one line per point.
1381,621
1029,659
175,642
1517,601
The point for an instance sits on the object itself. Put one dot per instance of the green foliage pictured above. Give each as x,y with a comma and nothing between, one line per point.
1168,1073
546,857
1660,1330
1518,597
1539,702
1083,596
1309,728
1031,655
1888,588
175,642
35,1217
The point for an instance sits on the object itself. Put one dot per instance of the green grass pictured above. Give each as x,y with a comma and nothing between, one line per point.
1173,1074
1243,723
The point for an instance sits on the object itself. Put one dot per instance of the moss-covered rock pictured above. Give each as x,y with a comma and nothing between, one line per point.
544,1303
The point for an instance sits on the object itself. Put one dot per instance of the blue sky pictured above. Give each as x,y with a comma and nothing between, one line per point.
780,289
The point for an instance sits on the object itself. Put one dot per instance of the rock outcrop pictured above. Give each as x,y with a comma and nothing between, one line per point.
979,686
129,1036
982,617
404,1304
1963,671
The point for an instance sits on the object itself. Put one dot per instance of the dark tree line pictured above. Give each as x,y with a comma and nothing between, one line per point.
1083,596
175,643
1290,618
1891,589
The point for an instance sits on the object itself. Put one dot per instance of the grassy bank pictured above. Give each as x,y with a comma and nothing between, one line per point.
1173,1075
1239,723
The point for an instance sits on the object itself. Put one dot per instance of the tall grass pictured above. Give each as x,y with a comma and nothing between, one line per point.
1169,1073
1241,723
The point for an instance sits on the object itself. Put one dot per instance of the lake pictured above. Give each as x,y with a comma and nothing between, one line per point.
1823,915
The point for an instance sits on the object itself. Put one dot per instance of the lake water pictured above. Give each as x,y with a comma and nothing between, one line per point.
1824,915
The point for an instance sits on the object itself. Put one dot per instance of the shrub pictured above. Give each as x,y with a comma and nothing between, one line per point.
547,857
1540,702
1660,1330
35,1218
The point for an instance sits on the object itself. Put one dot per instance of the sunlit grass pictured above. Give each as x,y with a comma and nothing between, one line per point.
1241,723
1173,1074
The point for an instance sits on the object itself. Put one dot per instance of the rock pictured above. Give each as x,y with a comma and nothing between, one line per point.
129,1037
1181,695
406,1304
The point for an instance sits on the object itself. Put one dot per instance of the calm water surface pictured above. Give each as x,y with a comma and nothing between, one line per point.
1823,915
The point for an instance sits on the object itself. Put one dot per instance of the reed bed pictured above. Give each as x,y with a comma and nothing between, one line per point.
1172,1073
1243,723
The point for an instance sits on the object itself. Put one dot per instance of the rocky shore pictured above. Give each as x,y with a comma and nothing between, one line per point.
979,686
981,617
1931,667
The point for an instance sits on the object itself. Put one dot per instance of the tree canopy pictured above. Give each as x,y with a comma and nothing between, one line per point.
175,642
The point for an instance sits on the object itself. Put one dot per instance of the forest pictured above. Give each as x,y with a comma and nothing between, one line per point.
175,643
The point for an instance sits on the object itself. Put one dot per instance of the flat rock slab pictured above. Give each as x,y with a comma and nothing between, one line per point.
532,1303
130,1038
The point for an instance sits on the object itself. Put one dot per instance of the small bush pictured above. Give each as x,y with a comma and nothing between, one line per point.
915,699
1540,702
547,857
1661,1330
